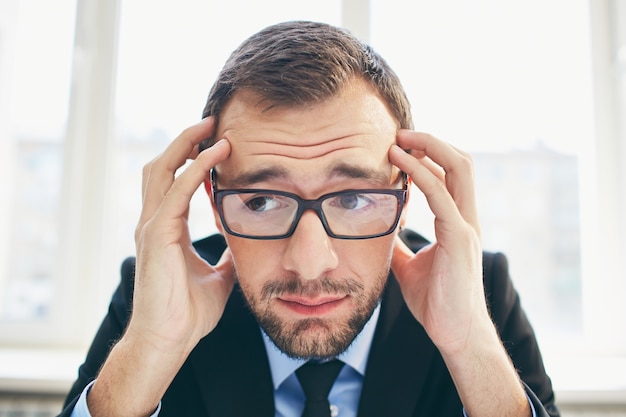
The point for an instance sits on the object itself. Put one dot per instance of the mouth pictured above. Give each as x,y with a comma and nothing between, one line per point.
312,306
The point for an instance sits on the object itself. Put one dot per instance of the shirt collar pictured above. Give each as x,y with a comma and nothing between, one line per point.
355,356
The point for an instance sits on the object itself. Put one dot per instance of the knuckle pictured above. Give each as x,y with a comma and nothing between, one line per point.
186,131
434,186
146,169
144,231
156,164
466,162
140,231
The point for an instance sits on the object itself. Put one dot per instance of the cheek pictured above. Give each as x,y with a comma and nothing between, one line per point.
258,261
367,258
254,260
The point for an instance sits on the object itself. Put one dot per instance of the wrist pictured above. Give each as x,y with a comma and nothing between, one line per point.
133,380
485,376
479,334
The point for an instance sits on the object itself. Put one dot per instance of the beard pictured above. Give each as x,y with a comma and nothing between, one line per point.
315,338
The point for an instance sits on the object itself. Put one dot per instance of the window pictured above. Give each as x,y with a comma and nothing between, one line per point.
497,79
538,108
35,69
159,93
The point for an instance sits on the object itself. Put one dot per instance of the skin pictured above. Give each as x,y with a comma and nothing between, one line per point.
179,298
309,153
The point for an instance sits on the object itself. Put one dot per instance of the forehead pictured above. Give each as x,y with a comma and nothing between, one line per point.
352,129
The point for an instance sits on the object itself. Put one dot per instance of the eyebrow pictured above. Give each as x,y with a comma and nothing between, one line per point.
247,178
359,173
341,170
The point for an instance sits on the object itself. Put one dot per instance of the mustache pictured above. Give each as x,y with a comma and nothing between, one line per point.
325,285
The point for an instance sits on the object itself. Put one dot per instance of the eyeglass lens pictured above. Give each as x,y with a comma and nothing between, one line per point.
347,213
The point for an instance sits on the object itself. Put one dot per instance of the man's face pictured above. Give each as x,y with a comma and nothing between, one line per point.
311,293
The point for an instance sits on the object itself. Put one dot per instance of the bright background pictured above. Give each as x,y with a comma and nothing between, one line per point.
535,90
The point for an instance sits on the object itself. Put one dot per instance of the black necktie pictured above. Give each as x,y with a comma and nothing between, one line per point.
316,380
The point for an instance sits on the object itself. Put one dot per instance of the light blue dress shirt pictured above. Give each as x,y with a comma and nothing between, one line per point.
288,395
345,393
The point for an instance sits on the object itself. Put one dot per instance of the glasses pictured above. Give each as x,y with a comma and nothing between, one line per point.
270,214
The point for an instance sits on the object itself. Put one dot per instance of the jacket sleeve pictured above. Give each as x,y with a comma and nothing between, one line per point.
517,334
108,334
118,315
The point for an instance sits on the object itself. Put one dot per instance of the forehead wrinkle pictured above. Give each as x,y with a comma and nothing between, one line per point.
305,150
303,157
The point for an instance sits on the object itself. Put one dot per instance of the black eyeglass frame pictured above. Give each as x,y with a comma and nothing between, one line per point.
305,204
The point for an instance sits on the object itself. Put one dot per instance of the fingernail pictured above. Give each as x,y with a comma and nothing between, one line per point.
220,142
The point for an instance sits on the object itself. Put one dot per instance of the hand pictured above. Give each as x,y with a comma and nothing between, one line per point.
179,297
442,284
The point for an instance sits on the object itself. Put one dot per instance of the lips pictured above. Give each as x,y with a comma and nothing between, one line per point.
315,306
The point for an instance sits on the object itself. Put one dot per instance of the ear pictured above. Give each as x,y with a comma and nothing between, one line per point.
208,187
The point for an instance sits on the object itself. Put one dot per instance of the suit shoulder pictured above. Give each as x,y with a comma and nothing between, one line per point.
495,264
413,240
495,270
211,247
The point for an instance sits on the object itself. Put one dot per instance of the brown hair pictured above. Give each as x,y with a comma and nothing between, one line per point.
298,63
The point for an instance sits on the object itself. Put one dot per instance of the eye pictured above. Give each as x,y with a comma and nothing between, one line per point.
261,203
353,201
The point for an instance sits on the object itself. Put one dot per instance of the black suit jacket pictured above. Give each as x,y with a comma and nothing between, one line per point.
228,374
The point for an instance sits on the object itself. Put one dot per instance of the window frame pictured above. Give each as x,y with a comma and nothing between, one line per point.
83,287
80,275
603,186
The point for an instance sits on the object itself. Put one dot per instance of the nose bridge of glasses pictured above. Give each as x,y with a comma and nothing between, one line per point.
311,205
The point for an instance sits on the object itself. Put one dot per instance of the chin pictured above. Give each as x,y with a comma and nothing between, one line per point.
313,338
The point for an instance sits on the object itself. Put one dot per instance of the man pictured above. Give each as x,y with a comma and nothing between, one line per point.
308,164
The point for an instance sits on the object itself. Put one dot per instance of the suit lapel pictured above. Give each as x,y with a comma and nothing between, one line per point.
401,354
398,363
232,368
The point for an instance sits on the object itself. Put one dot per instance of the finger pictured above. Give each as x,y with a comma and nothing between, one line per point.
435,169
158,175
175,204
181,148
439,199
457,165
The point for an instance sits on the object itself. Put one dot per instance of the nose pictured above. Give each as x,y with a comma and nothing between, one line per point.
309,251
